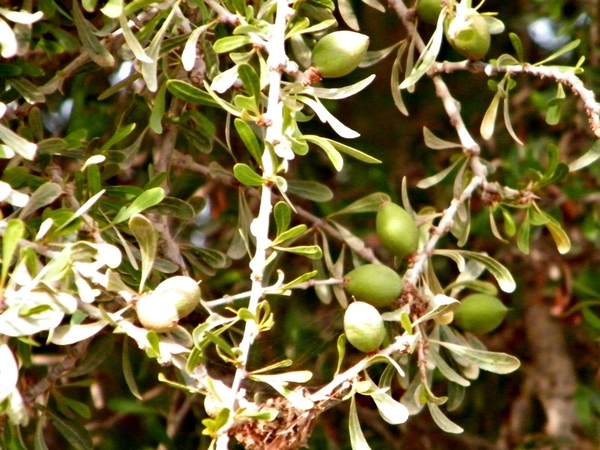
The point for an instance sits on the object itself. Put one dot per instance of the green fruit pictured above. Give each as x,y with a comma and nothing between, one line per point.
363,326
374,283
397,230
429,10
480,313
173,299
468,34
339,53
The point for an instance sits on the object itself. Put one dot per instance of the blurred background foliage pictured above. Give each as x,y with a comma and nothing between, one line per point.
558,292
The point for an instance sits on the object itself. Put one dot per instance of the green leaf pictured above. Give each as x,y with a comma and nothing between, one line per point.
489,119
349,17
245,175
333,155
326,117
44,195
434,142
442,421
30,92
392,411
158,110
249,139
446,370
426,183
189,93
523,235
518,46
13,233
91,45
18,144
229,43
351,151
301,279
251,81
120,134
283,215
566,49
147,199
38,441
147,239
309,251
75,433
311,190
591,318
370,203
495,362
357,438
292,233
587,158
98,351
128,370
501,273
342,92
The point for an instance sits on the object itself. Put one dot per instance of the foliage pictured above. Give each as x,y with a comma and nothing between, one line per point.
145,141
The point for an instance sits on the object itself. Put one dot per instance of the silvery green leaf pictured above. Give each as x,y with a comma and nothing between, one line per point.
132,42
370,203
442,421
426,183
357,438
489,119
71,334
349,16
373,57
392,411
147,239
16,143
44,195
343,92
326,117
96,51
446,370
495,26
113,8
375,5
496,362
434,142
587,158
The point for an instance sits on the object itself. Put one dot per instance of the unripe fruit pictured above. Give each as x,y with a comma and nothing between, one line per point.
429,10
363,326
480,313
468,34
173,299
339,53
375,284
397,230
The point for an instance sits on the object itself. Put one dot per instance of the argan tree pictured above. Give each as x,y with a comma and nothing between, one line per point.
219,228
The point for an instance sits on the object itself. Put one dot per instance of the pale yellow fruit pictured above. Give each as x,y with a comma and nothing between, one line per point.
173,299
364,326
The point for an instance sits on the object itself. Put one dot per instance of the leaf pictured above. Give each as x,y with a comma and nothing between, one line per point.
501,273
428,56
251,81
282,214
333,155
128,371
426,183
229,43
71,334
442,421
149,69
245,175
390,410
351,151
75,433
434,142
292,233
17,144
158,110
446,370
395,86
561,239
523,235
249,139
146,199
309,251
349,17
189,93
587,158
134,45
147,239
30,92
13,233
357,438
91,45
566,49
343,92
489,119
326,117
310,190
518,46
370,203
44,195
500,363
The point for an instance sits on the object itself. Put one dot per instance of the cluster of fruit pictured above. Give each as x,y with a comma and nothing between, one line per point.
466,30
376,285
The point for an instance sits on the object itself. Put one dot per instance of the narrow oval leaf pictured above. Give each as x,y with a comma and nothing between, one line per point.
189,93
442,421
249,139
343,92
283,215
587,158
146,199
351,151
309,251
13,233
17,144
245,175
333,155
496,362
229,43
311,190
390,410
370,203
71,334
357,438
501,273
44,195
91,44
147,239
434,142
74,432
489,119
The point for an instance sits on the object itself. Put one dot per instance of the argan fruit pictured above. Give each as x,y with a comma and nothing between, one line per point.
428,11
397,230
173,299
480,313
339,53
375,284
363,326
469,34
